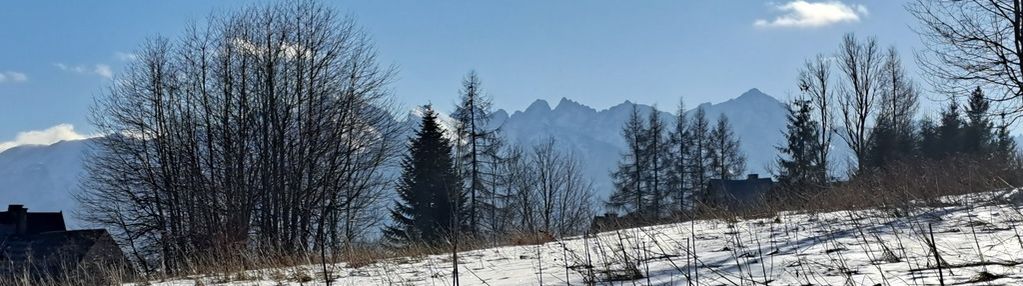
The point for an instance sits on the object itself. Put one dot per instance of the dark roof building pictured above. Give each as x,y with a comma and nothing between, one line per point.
40,244
739,194
33,223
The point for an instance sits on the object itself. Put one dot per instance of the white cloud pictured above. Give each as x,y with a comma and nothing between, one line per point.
48,136
125,57
804,14
12,77
104,71
98,69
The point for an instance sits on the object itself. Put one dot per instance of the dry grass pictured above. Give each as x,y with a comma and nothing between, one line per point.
895,191
82,275
897,188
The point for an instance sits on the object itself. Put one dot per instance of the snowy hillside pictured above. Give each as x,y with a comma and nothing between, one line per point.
43,177
974,236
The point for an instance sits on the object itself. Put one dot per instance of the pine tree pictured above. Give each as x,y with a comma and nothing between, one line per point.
430,201
629,194
798,169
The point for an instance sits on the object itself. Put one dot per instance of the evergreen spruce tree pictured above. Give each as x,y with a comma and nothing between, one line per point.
1005,145
431,200
949,132
798,169
977,131
881,146
889,143
930,143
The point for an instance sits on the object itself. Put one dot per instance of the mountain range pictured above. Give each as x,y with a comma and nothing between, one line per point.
594,136
46,177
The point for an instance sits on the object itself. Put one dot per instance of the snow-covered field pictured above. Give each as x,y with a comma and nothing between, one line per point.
976,237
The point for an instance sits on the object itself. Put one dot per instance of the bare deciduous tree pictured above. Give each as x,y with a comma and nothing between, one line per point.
267,128
861,64
974,43
551,192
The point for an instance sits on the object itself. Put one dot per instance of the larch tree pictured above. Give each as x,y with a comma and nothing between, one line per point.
726,157
893,137
477,147
700,155
630,193
658,159
678,184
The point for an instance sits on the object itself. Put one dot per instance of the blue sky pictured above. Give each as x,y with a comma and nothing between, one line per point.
55,56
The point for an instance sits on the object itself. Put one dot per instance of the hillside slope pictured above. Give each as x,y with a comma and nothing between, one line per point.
975,237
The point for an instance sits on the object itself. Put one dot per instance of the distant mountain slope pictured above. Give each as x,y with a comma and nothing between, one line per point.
595,136
43,177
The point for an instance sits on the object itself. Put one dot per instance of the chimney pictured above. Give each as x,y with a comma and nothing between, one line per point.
752,177
20,216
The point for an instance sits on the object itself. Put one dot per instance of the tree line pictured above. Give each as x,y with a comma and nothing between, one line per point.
869,91
666,170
